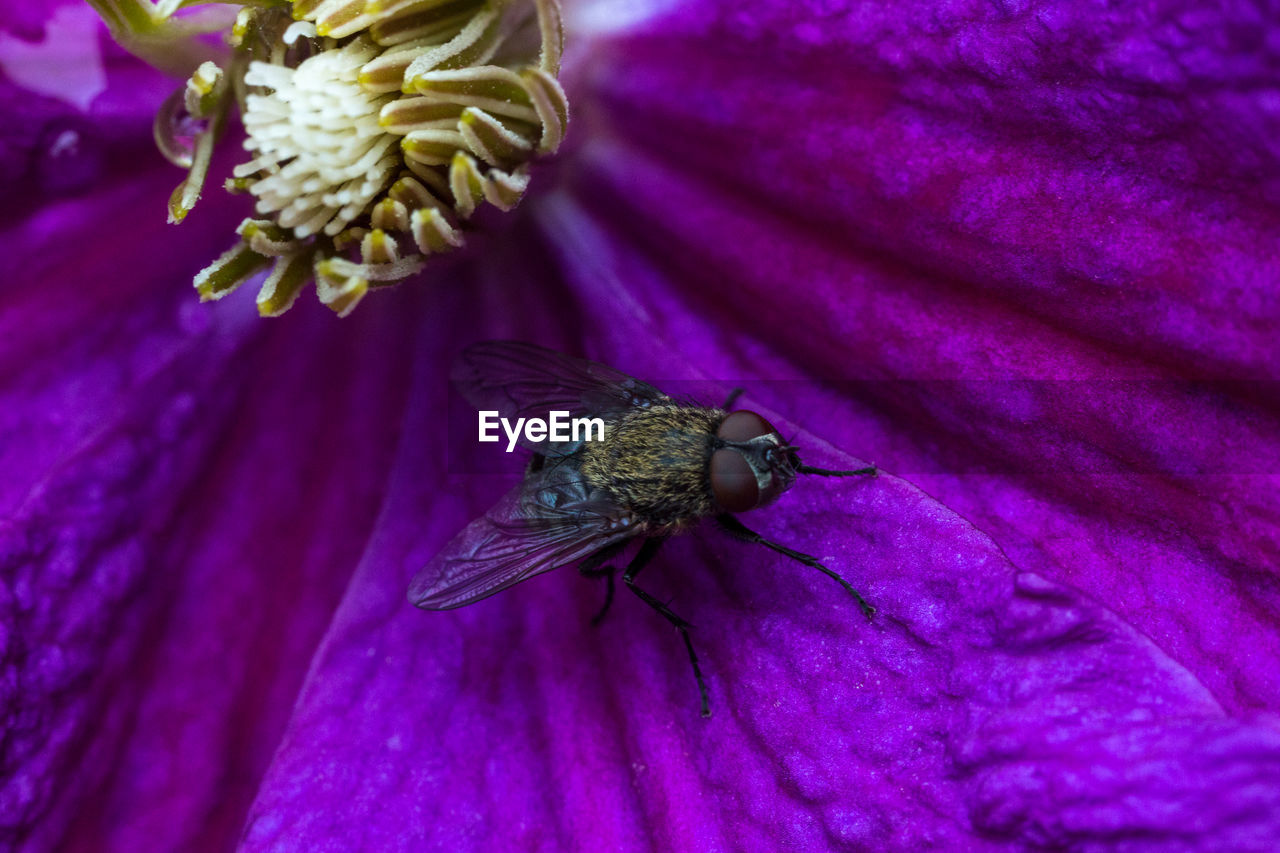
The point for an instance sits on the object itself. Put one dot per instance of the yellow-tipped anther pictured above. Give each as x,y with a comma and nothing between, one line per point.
374,128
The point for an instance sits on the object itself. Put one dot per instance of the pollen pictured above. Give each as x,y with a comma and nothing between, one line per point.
321,156
373,131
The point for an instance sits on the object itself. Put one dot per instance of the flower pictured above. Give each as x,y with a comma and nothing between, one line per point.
364,123
1020,257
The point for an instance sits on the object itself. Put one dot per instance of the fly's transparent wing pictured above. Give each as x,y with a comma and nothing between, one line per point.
519,380
550,520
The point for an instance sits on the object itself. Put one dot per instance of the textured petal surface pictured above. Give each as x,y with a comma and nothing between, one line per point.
981,698
176,532
988,199
970,252
1020,256
184,493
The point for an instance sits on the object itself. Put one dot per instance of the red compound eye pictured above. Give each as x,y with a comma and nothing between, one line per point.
744,426
733,483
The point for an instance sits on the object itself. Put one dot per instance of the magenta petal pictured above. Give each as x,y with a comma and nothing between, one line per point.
981,700
793,195
73,135
185,490
985,197
184,499
200,507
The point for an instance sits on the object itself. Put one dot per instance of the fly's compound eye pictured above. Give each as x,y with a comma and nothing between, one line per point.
734,484
743,425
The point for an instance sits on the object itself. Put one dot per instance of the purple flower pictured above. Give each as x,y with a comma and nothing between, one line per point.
1022,258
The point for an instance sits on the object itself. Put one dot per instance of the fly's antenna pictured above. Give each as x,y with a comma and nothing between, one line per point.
801,468
826,472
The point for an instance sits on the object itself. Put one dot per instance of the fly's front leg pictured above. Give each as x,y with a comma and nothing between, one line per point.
641,560
738,530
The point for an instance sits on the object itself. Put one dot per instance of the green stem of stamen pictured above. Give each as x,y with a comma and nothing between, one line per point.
186,195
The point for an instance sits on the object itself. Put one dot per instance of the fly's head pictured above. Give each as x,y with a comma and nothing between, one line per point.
751,465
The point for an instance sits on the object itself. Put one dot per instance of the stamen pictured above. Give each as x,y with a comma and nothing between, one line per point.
374,130
322,157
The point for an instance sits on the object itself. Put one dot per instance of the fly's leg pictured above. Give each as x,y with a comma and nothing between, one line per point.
738,530
733,398
641,560
591,568
607,572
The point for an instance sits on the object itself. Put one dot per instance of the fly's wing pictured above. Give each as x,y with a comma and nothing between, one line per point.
519,380
550,520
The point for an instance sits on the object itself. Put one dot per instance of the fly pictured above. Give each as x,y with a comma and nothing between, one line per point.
660,467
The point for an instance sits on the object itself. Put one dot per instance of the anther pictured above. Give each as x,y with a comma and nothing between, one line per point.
374,129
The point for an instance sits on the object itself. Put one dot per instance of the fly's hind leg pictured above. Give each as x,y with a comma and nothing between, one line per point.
738,530
591,568
641,559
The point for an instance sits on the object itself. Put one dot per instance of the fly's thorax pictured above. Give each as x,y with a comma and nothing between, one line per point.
654,462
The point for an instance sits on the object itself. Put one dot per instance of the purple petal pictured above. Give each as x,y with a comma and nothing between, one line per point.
980,699
853,220
184,493
187,497
990,200
1066,653
73,134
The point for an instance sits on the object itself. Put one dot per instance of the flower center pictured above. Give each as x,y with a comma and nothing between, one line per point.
374,130
321,153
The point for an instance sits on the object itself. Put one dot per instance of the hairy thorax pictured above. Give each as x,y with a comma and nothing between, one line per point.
654,462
